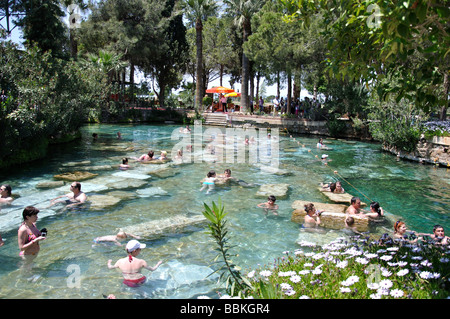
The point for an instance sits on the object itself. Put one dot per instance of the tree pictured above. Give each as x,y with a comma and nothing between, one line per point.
243,11
198,11
372,40
42,25
168,62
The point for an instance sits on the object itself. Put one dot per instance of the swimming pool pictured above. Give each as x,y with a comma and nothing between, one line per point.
70,266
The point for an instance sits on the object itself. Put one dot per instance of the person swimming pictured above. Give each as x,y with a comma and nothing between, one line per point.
209,182
124,164
269,205
115,238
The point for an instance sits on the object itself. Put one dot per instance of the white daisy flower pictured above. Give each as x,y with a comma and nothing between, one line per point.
426,275
373,286
403,272
342,264
285,286
396,293
295,278
386,257
363,261
345,290
385,284
265,273
290,292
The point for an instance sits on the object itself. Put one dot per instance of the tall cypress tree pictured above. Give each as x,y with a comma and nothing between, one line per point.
42,25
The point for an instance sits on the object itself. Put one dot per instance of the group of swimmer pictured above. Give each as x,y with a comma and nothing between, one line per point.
312,220
29,236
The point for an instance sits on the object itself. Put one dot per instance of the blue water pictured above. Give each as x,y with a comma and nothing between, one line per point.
69,266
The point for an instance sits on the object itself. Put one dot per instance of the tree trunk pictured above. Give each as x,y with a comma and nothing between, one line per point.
257,86
245,69
289,92
199,70
73,44
252,88
278,84
132,81
443,113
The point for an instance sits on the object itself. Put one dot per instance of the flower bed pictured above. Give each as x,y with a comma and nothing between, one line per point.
356,270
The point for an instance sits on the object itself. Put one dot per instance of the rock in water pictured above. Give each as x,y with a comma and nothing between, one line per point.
98,202
156,228
278,190
75,176
333,216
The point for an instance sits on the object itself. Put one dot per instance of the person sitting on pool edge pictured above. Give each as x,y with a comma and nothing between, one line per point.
77,197
131,266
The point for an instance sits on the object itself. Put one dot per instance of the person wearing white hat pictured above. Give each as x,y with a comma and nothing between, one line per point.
131,266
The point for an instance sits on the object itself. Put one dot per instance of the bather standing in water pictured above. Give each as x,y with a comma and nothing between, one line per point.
312,217
355,206
28,234
131,266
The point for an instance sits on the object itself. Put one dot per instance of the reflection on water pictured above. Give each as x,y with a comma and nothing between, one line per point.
70,265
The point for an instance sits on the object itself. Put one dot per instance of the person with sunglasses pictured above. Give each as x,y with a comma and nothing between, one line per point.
77,197
400,233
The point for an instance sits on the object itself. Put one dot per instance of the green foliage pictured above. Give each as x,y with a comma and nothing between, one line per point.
41,24
371,40
394,123
229,272
207,101
47,97
336,127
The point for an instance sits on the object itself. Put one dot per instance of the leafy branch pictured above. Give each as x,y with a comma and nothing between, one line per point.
230,273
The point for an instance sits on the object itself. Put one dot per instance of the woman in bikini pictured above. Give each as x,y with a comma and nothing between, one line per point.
131,266
28,235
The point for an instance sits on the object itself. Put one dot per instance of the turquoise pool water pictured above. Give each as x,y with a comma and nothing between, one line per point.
70,266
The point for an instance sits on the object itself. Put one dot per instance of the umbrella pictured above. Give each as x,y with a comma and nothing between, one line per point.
233,94
219,89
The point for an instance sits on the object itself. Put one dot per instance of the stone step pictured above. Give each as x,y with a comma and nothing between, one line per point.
218,119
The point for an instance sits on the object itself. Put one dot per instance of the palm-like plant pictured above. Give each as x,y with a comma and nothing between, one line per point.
110,63
197,11
243,10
